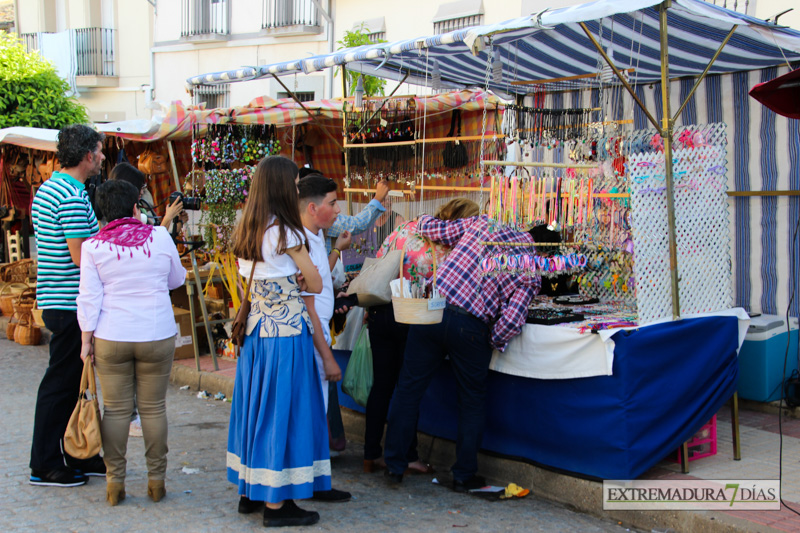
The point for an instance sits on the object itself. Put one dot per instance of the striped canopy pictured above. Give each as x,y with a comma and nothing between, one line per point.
552,44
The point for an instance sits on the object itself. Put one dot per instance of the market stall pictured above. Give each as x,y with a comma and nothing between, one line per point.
642,213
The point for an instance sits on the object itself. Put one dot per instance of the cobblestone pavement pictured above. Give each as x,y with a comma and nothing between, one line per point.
205,501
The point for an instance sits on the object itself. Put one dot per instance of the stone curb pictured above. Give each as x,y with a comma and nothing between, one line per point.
207,381
578,494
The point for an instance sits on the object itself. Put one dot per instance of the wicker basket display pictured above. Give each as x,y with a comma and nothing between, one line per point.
27,332
37,316
26,298
12,326
9,292
415,310
16,272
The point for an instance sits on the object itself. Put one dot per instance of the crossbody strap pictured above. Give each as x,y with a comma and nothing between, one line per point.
250,281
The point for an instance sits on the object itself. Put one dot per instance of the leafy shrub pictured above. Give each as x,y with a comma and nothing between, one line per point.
31,92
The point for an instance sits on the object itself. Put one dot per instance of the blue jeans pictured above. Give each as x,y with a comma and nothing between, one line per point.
465,339
388,341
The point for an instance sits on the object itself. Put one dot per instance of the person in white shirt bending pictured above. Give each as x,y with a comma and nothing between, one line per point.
127,325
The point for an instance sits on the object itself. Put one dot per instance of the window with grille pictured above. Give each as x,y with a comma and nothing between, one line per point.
282,13
377,37
303,96
204,17
214,96
444,26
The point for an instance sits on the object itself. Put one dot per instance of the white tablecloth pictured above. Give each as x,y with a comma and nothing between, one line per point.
562,352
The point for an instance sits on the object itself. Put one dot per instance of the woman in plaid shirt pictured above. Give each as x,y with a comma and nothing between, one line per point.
483,312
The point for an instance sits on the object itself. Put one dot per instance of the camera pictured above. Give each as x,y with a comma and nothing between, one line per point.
190,203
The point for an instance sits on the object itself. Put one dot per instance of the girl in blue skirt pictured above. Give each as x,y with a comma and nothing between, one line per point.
278,436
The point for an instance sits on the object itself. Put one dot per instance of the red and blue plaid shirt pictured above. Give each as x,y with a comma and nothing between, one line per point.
503,299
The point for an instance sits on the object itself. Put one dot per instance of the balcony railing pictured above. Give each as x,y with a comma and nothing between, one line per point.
204,17
283,13
93,48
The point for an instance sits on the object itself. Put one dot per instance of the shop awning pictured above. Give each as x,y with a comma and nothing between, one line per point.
177,120
552,44
35,138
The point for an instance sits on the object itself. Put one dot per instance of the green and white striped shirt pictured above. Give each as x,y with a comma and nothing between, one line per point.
60,211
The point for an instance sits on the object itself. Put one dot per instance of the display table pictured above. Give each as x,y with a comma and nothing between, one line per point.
668,379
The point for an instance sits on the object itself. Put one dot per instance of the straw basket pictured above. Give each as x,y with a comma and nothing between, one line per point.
12,326
27,332
38,319
415,310
8,294
17,272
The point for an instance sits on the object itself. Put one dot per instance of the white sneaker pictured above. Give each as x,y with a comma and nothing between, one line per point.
136,427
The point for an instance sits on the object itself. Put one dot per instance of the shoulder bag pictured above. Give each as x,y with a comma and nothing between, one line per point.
240,322
82,439
372,283
150,162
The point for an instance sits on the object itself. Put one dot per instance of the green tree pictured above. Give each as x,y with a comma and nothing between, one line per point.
373,86
31,92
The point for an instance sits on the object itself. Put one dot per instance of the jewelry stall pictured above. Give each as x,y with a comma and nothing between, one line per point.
640,207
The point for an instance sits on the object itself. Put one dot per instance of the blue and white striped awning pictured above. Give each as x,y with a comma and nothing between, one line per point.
552,44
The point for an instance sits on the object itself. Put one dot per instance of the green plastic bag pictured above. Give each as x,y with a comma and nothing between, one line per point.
357,380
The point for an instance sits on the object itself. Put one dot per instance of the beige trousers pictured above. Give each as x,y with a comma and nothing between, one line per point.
125,368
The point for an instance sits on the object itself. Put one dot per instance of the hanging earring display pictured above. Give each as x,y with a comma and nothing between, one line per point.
544,127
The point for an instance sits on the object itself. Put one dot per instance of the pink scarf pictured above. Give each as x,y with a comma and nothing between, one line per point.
124,233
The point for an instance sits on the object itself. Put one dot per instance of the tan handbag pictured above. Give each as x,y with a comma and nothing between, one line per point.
372,283
240,322
82,439
151,162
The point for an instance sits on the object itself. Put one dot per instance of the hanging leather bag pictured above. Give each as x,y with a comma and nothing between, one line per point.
82,439
151,162
240,322
47,167
455,153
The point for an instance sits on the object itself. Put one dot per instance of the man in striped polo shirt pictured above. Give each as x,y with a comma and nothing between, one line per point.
62,219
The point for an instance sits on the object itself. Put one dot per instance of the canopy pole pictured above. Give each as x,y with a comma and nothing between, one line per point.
666,134
620,76
703,75
348,194
174,166
310,114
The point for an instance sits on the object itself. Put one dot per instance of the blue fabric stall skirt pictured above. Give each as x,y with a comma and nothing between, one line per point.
278,435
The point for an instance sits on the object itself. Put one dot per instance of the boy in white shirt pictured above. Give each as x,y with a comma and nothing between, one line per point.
319,208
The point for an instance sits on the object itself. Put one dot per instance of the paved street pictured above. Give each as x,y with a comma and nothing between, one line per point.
206,502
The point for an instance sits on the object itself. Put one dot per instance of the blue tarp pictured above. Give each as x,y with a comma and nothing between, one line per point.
668,380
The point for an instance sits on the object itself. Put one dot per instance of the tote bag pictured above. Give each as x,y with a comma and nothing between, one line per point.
82,439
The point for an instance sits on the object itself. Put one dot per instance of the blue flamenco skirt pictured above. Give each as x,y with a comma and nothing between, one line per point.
278,433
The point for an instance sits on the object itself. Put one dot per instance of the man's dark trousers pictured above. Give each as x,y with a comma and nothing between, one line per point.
58,391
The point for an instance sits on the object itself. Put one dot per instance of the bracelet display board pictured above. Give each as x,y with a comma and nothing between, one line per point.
701,221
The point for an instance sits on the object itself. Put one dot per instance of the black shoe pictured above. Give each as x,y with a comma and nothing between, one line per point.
247,506
289,515
93,466
393,479
331,496
57,478
475,482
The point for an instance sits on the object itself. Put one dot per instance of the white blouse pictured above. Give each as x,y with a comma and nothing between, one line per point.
273,265
126,298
